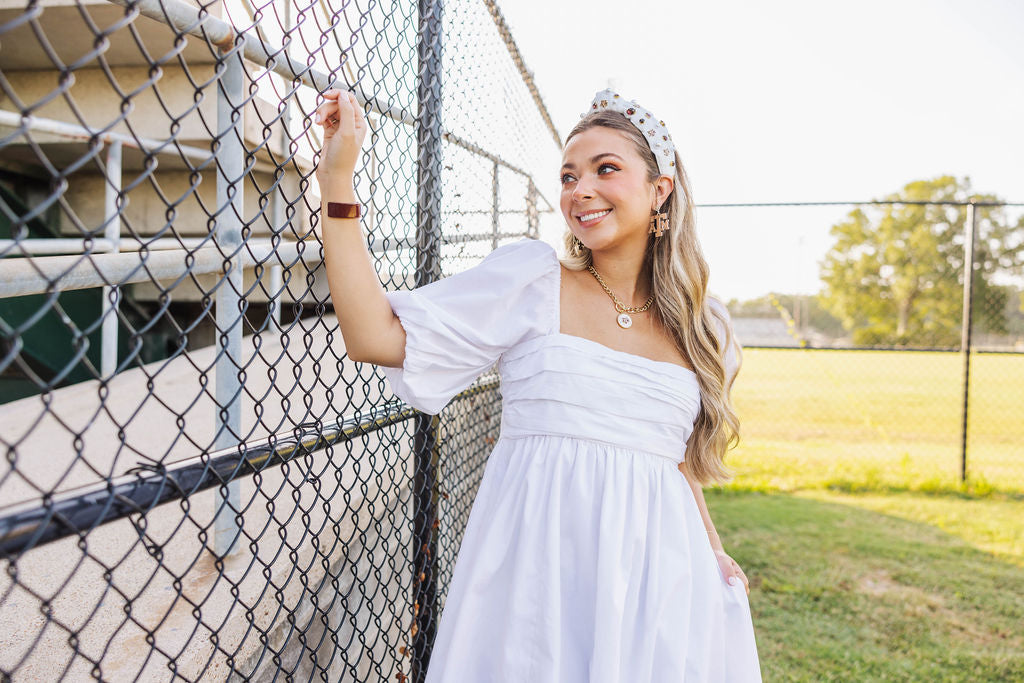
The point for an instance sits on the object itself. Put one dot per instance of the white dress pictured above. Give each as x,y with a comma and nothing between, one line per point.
584,558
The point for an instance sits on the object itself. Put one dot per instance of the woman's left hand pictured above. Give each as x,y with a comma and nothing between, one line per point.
731,569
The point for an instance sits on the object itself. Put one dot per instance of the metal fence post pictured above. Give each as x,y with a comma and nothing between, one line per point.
428,248
111,294
279,216
228,235
970,234
371,206
494,206
532,217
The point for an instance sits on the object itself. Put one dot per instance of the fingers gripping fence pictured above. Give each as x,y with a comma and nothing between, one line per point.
198,484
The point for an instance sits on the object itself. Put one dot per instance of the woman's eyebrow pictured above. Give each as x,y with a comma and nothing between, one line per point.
594,159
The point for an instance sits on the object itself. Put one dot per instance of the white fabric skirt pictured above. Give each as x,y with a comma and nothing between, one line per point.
586,562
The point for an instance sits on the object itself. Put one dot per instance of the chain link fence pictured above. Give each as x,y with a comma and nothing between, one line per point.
864,368
198,484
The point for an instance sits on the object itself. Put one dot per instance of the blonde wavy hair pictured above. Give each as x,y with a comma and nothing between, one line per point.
699,323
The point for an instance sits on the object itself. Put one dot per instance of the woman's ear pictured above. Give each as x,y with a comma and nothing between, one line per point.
662,189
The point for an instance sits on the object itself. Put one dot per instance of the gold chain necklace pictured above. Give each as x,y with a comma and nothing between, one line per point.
623,318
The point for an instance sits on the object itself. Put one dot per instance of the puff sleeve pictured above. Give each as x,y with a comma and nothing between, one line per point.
733,351
459,326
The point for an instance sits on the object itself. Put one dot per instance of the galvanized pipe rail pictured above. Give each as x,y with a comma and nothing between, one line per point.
65,273
228,235
72,131
222,34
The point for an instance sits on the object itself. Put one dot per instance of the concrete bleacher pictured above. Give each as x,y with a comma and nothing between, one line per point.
74,437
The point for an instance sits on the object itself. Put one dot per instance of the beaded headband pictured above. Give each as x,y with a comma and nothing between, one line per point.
654,130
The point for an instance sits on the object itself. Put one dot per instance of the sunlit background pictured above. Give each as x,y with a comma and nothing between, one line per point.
794,101
199,482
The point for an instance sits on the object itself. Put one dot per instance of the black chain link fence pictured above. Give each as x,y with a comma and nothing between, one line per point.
198,484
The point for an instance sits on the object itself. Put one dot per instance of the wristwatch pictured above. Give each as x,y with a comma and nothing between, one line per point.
343,210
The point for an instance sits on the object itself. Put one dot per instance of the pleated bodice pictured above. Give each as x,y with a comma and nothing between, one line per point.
560,384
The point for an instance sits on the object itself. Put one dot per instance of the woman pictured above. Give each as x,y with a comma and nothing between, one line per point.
589,553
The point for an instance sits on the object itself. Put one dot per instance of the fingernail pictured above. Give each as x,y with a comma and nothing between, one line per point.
318,117
732,580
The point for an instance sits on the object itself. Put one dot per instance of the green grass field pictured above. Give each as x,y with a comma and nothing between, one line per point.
868,559
878,420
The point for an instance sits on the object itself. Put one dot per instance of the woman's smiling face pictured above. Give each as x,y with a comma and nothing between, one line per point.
607,195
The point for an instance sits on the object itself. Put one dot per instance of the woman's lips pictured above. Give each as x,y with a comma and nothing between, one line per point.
594,217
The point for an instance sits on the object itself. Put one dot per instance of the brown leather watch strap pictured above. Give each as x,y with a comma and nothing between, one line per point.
342,210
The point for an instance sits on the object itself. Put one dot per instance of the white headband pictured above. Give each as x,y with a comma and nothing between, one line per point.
654,130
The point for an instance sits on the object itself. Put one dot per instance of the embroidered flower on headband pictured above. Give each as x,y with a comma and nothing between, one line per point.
656,134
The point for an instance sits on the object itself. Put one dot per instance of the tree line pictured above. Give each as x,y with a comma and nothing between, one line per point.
894,275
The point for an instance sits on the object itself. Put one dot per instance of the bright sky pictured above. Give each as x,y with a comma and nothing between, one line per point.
794,100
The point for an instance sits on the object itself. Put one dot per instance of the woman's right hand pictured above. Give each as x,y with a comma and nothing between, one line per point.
344,131
731,570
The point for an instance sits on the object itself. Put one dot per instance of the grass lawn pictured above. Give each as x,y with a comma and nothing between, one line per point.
873,420
879,587
868,559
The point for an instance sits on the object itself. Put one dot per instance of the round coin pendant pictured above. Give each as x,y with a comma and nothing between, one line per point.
624,321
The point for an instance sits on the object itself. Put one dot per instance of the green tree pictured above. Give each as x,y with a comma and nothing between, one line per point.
895,273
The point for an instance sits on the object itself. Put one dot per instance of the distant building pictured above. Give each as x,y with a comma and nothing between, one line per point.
757,331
